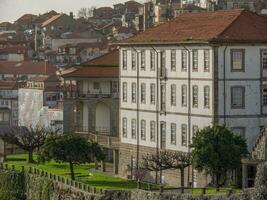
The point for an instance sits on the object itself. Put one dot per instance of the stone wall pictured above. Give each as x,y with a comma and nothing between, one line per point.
38,185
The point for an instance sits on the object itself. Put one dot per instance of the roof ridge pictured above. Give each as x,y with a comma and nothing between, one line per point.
230,25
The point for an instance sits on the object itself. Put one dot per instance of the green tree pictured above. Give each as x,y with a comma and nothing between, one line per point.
217,150
70,148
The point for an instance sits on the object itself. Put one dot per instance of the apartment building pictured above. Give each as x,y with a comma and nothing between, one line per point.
191,72
91,103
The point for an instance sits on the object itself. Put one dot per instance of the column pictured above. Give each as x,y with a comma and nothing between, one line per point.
116,161
244,176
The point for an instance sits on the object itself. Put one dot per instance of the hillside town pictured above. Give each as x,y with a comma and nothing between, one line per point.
147,83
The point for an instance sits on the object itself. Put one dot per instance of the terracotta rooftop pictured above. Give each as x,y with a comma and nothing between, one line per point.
26,67
26,18
50,20
42,78
8,84
106,66
110,59
94,72
222,26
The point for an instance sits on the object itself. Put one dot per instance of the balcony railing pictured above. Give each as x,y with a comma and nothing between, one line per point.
100,130
84,95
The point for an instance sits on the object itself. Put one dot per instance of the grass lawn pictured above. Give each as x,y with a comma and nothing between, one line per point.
85,173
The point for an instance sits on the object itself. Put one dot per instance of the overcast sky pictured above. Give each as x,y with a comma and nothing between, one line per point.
10,10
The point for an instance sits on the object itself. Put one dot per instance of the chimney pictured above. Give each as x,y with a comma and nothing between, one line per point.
71,15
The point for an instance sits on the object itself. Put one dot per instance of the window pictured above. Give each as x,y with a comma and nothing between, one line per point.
184,60
143,93
184,135
124,60
195,96
152,93
237,60
114,86
173,60
152,131
124,127
206,60
264,60
133,92
133,60
195,60
96,85
238,97
124,92
264,96
143,60
239,131
184,95
173,133
143,130
163,97
4,117
173,95
163,59
152,61
206,96
133,128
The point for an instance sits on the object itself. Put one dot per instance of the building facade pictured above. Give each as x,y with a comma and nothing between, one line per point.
174,82
91,106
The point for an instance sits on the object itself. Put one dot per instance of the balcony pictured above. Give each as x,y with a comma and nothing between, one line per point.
89,95
99,134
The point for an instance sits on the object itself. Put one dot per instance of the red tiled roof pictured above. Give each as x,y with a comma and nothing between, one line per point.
26,67
42,78
222,26
8,84
106,66
108,59
94,72
26,18
50,20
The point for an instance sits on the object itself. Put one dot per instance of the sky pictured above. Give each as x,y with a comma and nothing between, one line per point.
10,10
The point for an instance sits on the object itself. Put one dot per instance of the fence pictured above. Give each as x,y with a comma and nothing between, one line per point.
60,179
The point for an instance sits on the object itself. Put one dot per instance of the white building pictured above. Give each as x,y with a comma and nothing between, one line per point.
194,71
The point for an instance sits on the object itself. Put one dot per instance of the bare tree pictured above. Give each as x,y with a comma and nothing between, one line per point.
28,139
86,12
167,160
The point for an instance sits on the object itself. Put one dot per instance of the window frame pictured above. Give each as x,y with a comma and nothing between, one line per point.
184,60
242,61
133,92
124,127
195,96
133,128
152,60
184,95
143,130
134,64
124,92
152,93
124,60
152,131
206,60
207,97
143,93
194,60
184,135
143,60
173,94
243,129
173,133
243,88
173,60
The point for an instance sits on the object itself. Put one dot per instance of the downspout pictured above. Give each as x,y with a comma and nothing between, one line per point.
189,110
137,108
157,108
224,84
